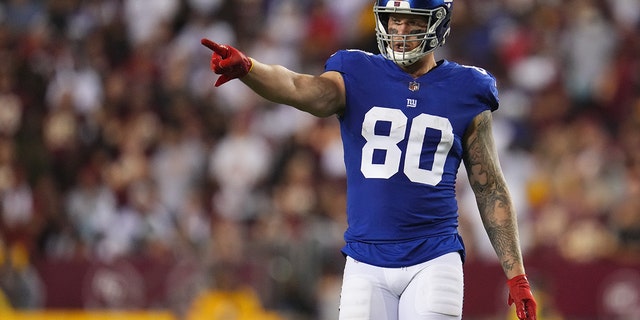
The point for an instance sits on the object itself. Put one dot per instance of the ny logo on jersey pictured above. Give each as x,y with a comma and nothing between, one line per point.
412,103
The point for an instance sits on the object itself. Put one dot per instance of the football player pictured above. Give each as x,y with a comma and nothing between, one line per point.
407,123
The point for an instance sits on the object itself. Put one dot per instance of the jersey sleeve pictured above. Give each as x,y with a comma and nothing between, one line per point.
335,62
352,61
491,97
487,88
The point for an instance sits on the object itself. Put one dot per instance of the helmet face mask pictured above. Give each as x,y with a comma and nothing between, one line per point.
436,13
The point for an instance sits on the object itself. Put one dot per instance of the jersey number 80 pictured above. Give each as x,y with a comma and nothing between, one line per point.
389,143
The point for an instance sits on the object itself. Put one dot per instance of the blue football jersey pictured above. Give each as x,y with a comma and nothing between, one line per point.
402,140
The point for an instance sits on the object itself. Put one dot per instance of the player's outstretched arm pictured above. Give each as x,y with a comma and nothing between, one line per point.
497,211
322,95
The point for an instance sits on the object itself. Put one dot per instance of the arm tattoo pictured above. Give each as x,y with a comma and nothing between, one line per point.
492,195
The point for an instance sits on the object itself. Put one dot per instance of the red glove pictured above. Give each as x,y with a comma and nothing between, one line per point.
227,61
520,294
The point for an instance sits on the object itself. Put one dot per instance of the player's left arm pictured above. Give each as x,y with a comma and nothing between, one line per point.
492,195
497,210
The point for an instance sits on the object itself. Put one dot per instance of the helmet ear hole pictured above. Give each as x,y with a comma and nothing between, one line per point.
445,30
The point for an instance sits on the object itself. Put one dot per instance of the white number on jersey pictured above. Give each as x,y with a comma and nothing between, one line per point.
389,143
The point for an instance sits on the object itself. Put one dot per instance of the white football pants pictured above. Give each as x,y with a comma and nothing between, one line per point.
432,290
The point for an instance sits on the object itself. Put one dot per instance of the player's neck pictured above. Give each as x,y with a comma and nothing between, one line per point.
422,66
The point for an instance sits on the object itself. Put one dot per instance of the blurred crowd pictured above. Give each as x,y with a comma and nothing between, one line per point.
114,142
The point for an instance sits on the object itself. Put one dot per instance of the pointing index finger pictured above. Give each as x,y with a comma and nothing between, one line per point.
215,47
